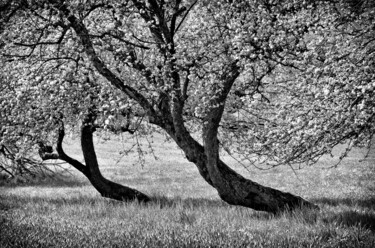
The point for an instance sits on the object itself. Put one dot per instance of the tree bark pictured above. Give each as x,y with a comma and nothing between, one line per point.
104,186
91,169
232,187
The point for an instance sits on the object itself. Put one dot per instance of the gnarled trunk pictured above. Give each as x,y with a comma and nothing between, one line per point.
234,188
237,190
91,169
231,186
104,186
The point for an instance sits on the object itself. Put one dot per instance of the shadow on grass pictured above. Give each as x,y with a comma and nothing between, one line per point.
159,202
351,217
354,218
186,203
58,181
349,202
18,202
204,203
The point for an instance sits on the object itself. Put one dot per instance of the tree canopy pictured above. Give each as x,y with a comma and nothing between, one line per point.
274,82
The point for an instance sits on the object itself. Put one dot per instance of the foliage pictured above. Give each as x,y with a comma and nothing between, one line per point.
325,100
271,82
304,86
12,167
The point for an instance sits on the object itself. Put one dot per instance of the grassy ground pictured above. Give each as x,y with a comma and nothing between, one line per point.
188,213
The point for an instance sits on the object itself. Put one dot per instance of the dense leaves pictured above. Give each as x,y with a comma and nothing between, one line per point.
277,82
327,98
305,70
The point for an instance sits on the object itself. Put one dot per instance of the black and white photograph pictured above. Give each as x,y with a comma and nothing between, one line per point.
187,123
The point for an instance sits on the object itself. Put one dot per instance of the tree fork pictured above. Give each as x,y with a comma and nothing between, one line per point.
91,170
240,191
231,186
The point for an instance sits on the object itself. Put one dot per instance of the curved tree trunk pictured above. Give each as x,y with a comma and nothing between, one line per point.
231,186
91,169
234,188
104,186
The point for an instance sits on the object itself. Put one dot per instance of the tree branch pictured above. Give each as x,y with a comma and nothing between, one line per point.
120,39
100,66
47,42
63,156
178,11
184,17
46,152
229,75
185,86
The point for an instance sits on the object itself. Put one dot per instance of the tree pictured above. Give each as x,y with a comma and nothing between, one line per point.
182,66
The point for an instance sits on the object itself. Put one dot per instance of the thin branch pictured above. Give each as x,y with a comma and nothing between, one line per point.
178,11
7,171
39,43
183,18
145,41
231,155
120,39
185,86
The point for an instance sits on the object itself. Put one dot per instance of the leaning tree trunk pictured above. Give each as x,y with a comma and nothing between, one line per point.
91,169
104,186
234,188
231,186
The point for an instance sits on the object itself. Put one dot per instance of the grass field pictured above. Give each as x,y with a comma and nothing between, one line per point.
68,212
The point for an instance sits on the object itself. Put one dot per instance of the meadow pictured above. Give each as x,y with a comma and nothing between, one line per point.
187,212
